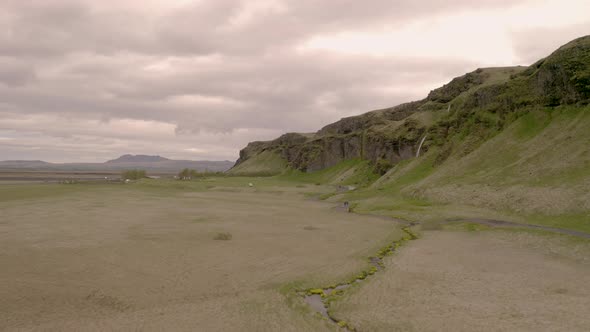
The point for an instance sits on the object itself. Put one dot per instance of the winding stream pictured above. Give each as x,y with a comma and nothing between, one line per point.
319,299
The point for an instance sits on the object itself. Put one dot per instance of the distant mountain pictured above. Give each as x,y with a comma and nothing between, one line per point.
23,163
149,163
140,158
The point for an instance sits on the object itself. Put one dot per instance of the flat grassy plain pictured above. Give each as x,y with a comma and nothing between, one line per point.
144,256
16,176
215,254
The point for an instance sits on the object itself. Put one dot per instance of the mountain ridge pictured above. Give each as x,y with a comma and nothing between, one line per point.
127,161
126,158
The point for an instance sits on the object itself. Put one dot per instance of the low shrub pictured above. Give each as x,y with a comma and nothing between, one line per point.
225,236
134,174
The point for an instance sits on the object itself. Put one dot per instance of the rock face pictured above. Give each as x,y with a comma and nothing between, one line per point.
564,77
346,139
483,102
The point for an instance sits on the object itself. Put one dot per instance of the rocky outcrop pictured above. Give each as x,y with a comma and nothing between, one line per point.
322,151
358,137
379,117
564,77
457,86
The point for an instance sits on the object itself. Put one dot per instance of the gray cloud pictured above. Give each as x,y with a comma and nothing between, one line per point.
533,44
58,27
14,73
85,79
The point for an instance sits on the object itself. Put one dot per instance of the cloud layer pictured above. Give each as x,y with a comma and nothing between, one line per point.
87,81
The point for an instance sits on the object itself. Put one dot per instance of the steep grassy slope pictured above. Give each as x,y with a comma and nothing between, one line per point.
353,172
264,163
539,163
536,171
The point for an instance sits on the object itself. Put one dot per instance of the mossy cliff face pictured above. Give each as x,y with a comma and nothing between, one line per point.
321,152
470,109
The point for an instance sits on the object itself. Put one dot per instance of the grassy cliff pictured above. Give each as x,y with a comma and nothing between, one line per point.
511,143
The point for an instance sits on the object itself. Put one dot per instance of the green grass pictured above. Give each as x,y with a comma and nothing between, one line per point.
547,148
265,163
349,172
532,124
578,222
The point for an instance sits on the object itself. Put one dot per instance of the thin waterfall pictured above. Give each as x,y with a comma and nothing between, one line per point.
420,146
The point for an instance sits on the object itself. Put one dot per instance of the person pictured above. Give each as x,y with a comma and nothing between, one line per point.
346,206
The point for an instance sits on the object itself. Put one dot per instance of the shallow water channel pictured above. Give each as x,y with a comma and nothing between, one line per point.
318,298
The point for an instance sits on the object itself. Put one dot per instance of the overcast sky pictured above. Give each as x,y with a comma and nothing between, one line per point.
90,80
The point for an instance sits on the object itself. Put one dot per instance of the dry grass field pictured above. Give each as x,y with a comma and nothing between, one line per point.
147,256
477,281
219,255
10,177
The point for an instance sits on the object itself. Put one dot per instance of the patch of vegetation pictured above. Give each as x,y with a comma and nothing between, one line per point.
315,291
225,236
200,219
335,294
531,124
266,163
134,174
383,166
40,191
190,174
349,172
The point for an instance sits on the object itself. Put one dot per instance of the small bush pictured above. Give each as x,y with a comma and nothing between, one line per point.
134,174
342,324
382,166
315,291
223,236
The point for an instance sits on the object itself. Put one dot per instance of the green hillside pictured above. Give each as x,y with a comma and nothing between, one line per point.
508,143
264,163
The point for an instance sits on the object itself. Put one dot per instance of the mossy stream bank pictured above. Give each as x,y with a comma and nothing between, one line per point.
319,299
